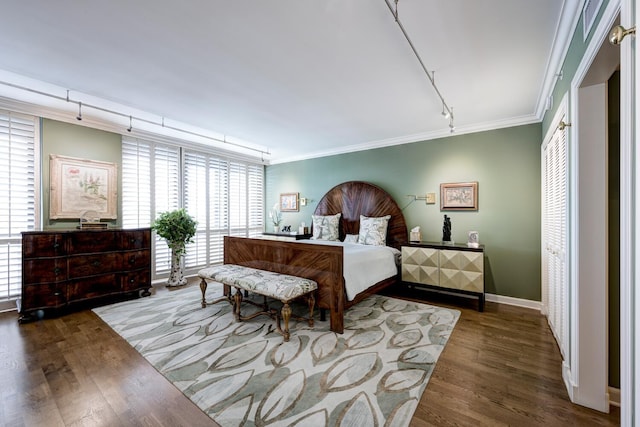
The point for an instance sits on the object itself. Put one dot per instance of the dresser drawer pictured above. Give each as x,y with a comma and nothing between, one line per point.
134,260
91,265
45,270
93,241
43,245
135,280
93,287
44,296
138,239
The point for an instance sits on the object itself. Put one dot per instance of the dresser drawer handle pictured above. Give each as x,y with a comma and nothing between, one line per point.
131,280
56,245
57,294
57,270
96,263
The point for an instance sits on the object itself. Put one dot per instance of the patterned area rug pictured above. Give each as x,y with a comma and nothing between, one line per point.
244,374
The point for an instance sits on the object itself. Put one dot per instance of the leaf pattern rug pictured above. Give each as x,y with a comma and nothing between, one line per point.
244,374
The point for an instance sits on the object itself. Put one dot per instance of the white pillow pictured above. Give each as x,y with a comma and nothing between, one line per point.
373,231
326,227
351,238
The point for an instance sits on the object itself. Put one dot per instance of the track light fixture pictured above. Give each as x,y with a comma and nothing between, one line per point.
130,122
79,116
447,111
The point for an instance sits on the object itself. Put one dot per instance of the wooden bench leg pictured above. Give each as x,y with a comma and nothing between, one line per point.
203,288
312,302
236,307
286,315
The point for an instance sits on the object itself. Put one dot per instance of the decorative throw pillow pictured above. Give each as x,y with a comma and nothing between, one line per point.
373,231
326,227
351,238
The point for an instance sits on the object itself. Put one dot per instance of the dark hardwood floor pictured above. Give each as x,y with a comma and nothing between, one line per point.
500,367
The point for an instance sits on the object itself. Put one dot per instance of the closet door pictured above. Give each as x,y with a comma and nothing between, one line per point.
555,282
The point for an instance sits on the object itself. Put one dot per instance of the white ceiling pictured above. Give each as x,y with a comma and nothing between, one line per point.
297,78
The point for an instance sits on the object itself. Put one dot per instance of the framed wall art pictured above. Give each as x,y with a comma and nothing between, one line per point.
80,185
459,196
289,202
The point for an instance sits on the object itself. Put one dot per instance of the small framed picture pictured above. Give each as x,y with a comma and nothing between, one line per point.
459,196
289,202
474,239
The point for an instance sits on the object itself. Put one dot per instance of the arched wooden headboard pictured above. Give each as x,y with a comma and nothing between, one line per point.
355,198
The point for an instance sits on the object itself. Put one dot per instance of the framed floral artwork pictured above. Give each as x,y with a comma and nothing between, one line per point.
459,196
80,185
289,202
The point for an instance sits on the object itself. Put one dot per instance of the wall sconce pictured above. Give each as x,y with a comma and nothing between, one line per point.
429,198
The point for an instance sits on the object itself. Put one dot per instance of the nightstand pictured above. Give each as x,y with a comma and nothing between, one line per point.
454,268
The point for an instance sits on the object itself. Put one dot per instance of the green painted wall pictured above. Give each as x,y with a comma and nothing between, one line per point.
76,141
506,164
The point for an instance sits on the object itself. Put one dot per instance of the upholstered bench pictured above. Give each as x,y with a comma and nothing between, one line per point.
282,287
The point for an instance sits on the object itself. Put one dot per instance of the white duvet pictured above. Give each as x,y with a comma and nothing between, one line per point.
364,265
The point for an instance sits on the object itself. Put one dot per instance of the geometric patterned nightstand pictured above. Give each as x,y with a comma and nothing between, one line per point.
452,267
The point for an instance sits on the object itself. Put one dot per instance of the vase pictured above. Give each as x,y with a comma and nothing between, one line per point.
176,277
275,228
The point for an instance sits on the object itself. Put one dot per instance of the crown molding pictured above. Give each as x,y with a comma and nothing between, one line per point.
409,139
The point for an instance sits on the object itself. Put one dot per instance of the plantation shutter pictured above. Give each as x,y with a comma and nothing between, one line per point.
218,207
18,209
150,185
225,197
255,202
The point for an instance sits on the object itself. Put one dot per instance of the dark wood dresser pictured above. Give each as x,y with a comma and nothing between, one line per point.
63,268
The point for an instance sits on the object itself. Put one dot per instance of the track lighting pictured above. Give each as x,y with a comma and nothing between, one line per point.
79,116
447,112
130,127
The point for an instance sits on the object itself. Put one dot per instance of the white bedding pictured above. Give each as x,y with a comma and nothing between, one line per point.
364,265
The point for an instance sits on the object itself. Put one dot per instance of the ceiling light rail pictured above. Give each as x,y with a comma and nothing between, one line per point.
447,111
131,118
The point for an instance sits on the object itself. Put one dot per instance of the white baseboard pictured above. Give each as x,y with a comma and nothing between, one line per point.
614,396
519,302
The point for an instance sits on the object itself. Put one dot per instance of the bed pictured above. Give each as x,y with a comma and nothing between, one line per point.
324,263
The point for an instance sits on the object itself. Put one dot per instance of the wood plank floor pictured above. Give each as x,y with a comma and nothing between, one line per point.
500,367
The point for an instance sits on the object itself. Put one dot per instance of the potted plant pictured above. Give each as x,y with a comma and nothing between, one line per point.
178,229
276,217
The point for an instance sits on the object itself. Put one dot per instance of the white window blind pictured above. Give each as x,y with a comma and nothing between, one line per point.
224,196
18,209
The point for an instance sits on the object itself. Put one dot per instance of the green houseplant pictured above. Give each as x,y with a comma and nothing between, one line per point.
178,229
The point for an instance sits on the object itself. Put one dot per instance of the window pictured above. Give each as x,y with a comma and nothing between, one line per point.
19,207
224,196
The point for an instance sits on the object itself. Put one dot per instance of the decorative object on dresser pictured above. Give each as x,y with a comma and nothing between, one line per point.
458,268
415,235
474,239
178,229
79,185
64,268
446,230
459,196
